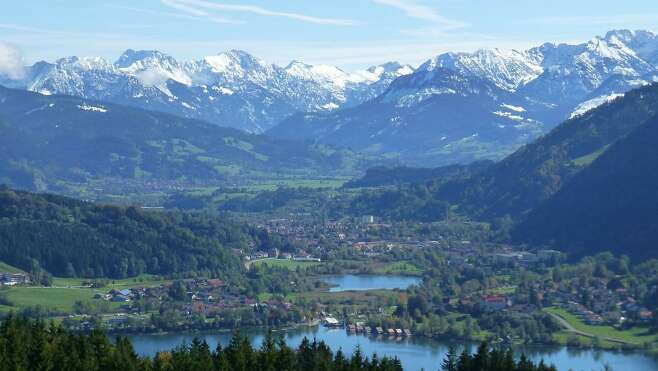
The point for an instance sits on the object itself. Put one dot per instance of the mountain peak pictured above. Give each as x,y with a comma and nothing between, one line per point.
234,61
321,73
297,64
630,37
644,43
84,63
244,58
506,68
152,68
130,57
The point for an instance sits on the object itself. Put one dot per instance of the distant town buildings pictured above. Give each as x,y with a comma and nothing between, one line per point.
13,279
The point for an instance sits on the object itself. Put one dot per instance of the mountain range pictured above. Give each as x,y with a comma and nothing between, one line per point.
454,108
53,142
585,187
458,107
233,89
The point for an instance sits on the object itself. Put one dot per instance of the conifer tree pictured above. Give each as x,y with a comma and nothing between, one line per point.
450,362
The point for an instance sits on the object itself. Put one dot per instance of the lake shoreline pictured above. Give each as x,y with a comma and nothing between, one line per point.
420,350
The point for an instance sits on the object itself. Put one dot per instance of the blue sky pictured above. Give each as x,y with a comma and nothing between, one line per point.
349,33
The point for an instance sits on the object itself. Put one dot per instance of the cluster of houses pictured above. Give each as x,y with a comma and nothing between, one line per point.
117,296
13,279
204,296
639,312
611,307
211,309
526,257
585,314
276,254
491,302
354,232
360,328
496,302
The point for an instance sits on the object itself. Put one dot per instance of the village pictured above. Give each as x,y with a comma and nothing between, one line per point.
362,245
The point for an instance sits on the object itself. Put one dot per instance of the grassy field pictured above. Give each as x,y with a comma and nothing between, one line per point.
588,159
61,299
563,338
6,268
299,182
401,267
636,335
285,263
144,280
66,291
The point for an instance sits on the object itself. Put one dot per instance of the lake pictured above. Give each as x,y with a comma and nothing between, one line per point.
351,282
415,352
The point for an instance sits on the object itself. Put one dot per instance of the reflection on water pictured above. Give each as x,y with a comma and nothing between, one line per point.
415,352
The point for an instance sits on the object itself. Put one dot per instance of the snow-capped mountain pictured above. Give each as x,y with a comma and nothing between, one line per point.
347,89
506,68
573,72
465,106
433,113
563,73
643,43
232,89
512,95
152,68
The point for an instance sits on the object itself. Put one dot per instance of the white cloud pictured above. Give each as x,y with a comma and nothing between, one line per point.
423,12
196,8
25,30
196,13
11,62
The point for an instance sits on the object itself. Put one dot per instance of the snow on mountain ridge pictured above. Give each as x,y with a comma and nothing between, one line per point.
322,73
507,68
237,89
231,88
152,68
341,80
619,52
593,103
85,63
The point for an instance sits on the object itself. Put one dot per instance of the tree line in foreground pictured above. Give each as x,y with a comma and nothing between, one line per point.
27,344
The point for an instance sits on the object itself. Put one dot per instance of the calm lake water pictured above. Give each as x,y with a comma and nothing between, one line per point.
350,282
415,352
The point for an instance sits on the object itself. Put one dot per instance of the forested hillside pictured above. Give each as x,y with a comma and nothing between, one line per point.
399,175
519,183
67,237
609,206
47,142
532,174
